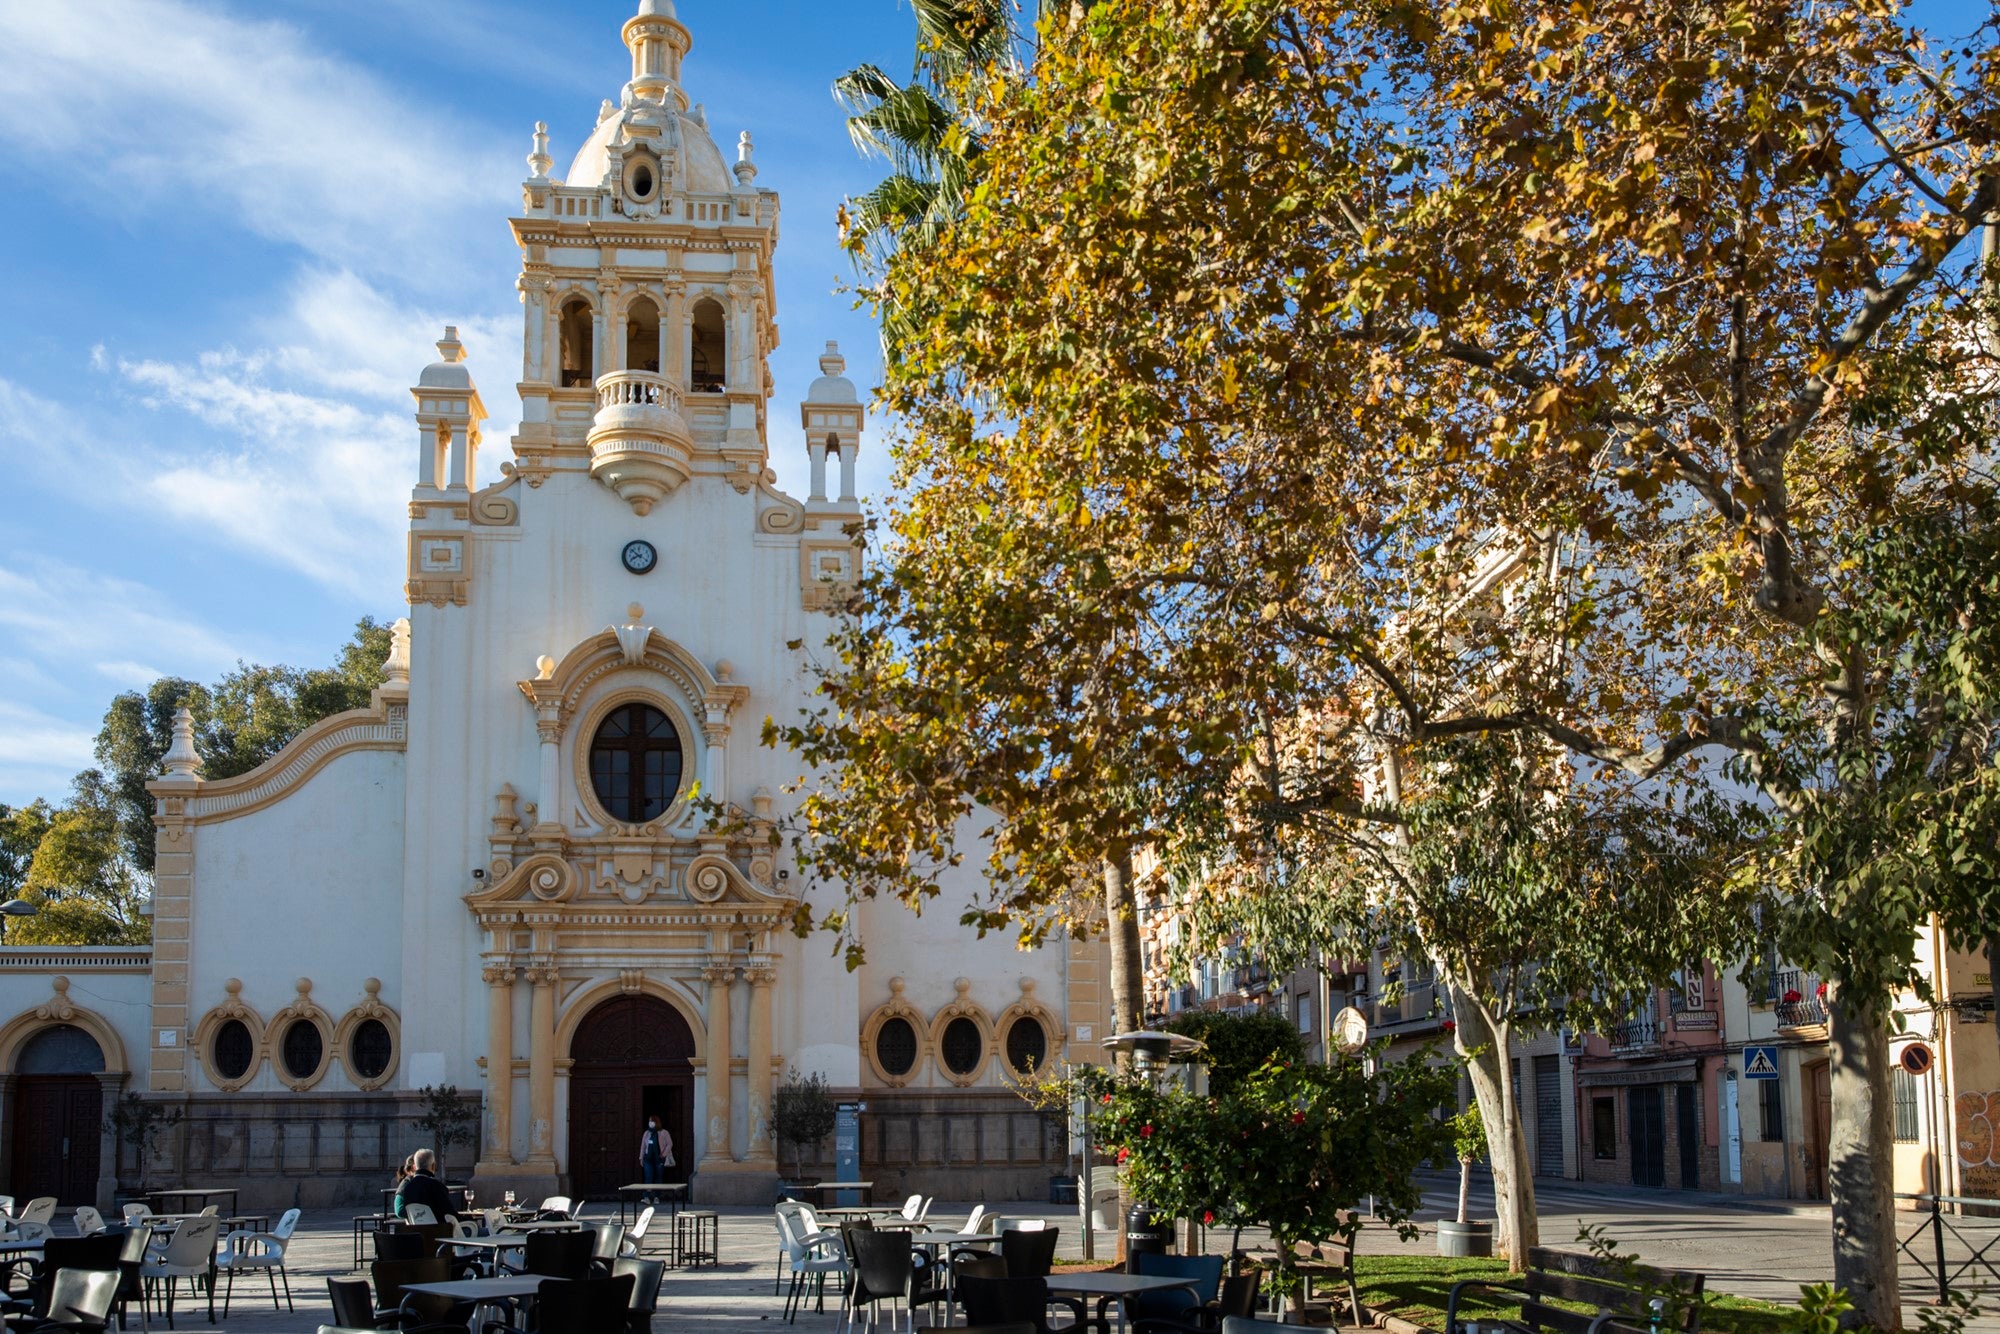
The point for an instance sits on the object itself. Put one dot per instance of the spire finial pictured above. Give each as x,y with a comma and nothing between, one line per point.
746,166
830,361
396,668
539,161
182,763
449,348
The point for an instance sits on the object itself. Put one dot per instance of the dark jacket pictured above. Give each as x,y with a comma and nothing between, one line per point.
424,1188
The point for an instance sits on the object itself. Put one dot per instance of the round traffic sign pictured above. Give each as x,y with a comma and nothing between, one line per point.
1917,1058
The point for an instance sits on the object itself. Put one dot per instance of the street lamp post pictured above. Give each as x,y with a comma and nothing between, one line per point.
15,908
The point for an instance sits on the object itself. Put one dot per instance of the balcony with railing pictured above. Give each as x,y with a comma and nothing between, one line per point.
1797,997
639,440
1636,1036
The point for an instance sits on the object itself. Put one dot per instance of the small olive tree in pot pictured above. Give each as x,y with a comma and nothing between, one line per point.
1465,1237
802,1115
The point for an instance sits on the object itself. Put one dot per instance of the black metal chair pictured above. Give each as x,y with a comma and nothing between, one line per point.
352,1305
882,1268
95,1254
1029,1254
646,1278
402,1243
960,1264
1237,1300
132,1246
1014,1301
583,1306
558,1254
416,1312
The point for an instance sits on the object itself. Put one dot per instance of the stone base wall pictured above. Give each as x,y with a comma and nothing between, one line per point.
311,1151
983,1145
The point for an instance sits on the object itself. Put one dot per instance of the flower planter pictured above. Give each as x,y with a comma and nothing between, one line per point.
1465,1239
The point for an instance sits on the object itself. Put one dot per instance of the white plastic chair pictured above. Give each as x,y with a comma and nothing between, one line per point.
913,1209
42,1210
6,1206
924,1214
636,1236
89,1222
27,1231
136,1212
811,1256
419,1215
973,1220
187,1257
245,1250
557,1204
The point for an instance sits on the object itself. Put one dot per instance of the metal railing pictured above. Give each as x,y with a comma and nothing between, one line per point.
1955,1232
1795,995
1641,1034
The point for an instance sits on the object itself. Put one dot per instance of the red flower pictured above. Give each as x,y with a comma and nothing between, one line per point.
1208,1217
1451,1026
1298,1118
1123,1154
1107,1100
1793,997
1145,1132
1821,993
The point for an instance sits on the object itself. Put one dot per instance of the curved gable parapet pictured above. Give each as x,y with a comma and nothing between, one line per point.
561,686
383,728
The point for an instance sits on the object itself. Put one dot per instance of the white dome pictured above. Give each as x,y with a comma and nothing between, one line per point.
707,174
445,375
832,389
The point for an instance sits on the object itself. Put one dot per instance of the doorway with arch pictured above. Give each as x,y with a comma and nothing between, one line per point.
58,1116
632,1057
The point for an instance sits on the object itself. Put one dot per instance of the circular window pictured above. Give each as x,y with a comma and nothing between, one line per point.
369,1049
642,182
635,764
896,1047
302,1049
962,1045
1027,1046
233,1050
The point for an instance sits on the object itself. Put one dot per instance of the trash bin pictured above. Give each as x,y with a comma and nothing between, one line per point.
1146,1233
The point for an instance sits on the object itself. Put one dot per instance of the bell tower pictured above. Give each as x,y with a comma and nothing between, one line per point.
647,291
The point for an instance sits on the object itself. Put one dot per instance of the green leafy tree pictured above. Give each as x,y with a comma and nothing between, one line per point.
1294,1148
1237,1046
449,1118
138,1123
241,721
1264,326
84,889
21,831
802,1114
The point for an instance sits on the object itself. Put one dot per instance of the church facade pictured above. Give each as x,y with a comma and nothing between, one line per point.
541,867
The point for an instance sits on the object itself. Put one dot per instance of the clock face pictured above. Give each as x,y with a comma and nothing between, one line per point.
640,557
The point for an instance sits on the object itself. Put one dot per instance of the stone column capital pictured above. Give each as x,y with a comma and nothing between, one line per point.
497,974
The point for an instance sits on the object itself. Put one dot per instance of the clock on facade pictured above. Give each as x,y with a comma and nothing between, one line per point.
640,557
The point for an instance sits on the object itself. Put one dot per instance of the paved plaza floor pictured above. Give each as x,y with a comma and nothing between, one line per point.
1761,1249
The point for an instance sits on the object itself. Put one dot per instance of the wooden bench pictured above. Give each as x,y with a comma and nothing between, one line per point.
1622,1293
1331,1260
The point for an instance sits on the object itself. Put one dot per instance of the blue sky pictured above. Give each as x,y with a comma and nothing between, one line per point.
234,238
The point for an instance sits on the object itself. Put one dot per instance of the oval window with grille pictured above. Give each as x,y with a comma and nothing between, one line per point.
963,1046
369,1049
896,1047
1027,1046
233,1050
302,1049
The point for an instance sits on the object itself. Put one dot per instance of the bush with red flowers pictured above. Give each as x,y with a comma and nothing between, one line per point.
1293,1148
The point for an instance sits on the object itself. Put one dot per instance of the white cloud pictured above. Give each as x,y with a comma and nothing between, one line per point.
61,614
165,100
39,754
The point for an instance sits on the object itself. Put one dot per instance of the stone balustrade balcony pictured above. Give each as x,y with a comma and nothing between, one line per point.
639,442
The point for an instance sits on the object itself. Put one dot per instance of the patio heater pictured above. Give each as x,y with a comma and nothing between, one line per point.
1153,1052
15,908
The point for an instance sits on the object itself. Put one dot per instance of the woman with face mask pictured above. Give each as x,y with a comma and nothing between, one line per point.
656,1155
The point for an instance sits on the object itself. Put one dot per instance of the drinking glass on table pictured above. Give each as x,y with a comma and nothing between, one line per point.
508,1198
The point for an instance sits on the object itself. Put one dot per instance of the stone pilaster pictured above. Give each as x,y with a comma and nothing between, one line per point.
721,1057
759,1089
542,1067
497,1153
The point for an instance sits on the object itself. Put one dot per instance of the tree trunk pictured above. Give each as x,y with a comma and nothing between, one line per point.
1464,1190
1488,1050
1860,1154
1121,929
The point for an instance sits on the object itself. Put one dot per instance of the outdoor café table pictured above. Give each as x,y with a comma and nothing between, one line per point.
867,1188
1108,1288
497,1246
485,1291
201,1194
676,1193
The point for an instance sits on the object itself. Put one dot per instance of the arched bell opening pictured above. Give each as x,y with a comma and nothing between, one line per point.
642,336
708,356
579,358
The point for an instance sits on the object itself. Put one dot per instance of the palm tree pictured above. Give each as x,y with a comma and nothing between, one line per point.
924,132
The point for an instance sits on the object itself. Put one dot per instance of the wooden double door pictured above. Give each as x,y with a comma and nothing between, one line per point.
58,1121
632,1058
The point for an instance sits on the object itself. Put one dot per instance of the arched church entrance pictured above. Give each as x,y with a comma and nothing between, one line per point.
58,1116
632,1057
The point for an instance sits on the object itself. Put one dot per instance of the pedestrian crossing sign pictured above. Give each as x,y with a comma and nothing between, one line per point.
1760,1062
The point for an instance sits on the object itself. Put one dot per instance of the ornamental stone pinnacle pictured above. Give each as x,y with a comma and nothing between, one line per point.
182,763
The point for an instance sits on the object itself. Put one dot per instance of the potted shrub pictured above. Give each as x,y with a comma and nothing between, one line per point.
802,1114
138,1124
449,1118
1465,1237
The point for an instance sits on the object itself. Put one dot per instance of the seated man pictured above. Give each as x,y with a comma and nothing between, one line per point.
423,1187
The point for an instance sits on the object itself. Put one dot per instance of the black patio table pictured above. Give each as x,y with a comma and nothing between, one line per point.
203,1194
1109,1288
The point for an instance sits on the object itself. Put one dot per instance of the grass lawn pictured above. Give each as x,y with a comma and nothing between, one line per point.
1416,1288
